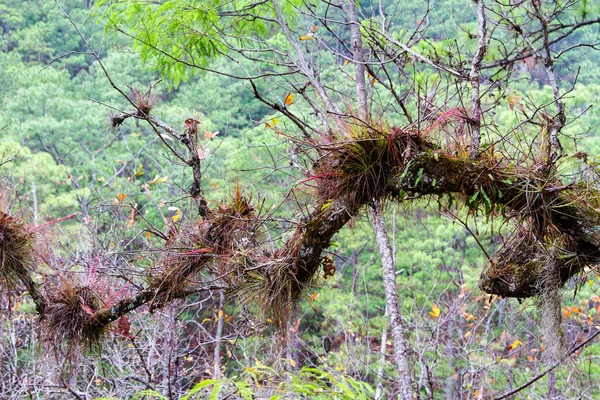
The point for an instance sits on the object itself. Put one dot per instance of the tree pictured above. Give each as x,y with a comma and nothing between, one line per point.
359,136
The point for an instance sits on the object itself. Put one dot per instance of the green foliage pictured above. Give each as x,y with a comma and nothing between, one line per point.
178,37
261,381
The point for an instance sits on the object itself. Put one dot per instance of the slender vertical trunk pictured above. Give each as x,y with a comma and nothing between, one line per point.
400,344
168,350
474,78
349,9
450,390
35,202
291,353
551,385
378,381
218,335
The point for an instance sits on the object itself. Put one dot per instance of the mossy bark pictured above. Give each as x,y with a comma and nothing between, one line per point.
566,210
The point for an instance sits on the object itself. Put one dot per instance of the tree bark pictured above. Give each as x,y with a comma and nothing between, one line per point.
400,344
474,78
218,335
349,8
379,378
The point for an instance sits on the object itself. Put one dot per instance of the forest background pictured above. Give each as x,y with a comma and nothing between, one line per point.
60,155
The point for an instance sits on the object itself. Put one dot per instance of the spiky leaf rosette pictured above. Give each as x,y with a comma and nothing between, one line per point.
70,317
358,170
16,250
274,291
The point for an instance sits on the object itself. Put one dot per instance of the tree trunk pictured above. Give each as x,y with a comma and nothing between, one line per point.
218,335
379,379
400,344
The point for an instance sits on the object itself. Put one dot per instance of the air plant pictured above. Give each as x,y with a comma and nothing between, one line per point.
358,169
16,250
70,317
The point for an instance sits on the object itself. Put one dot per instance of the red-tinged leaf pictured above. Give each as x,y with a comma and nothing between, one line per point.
514,100
205,250
86,308
203,153
131,219
123,326
191,125
210,135
314,29
469,317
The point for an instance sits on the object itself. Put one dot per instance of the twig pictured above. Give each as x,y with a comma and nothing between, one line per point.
538,377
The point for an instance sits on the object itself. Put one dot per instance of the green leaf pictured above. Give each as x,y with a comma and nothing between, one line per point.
419,176
199,386
214,395
149,393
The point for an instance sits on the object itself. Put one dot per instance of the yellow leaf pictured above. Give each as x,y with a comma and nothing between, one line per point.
157,179
326,205
289,99
435,311
308,36
575,310
140,171
205,320
101,179
469,317
177,216
514,345
220,314
271,124
514,99
292,362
